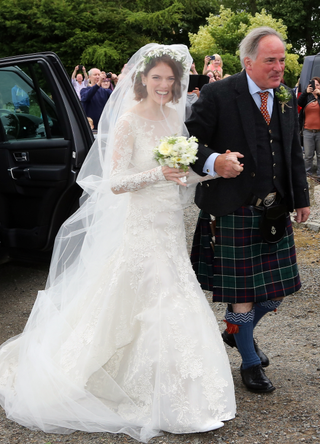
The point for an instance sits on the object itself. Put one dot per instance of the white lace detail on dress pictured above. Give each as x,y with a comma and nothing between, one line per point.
138,350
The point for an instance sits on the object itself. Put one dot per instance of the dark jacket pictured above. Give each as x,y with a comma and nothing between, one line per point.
303,101
93,100
223,118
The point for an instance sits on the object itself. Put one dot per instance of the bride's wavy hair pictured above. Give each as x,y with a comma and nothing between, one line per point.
140,91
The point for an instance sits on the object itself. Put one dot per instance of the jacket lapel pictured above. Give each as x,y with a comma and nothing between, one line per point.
245,106
286,124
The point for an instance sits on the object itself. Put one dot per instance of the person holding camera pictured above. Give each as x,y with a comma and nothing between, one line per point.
212,63
95,97
309,119
77,79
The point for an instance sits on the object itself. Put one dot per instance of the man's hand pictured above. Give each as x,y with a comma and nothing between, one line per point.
227,165
302,214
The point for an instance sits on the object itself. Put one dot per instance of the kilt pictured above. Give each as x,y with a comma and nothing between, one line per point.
243,267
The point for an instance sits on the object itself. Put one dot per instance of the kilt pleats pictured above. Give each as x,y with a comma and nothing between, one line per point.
244,268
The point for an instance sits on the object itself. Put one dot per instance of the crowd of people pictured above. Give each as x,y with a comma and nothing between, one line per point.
122,339
93,89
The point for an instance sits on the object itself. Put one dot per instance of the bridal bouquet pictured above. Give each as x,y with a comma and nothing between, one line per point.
177,151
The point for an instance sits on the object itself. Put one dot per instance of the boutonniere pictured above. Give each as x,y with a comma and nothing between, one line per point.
283,96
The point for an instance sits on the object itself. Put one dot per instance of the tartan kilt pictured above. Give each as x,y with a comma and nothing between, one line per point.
243,267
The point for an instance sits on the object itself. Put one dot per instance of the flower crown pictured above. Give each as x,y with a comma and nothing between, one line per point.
159,52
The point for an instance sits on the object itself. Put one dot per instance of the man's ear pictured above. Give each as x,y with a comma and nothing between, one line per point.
247,63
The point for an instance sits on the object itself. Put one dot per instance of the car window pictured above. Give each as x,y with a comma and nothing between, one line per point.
27,110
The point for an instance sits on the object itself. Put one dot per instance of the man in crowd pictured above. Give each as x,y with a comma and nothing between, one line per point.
253,265
94,97
77,79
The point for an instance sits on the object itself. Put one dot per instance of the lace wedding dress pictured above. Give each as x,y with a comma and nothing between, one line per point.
122,339
139,351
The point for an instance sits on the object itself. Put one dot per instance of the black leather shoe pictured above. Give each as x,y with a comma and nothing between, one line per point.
255,379
229,340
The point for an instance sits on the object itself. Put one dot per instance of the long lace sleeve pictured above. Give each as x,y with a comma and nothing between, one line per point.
124,175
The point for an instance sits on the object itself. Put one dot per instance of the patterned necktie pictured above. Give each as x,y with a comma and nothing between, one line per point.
263,107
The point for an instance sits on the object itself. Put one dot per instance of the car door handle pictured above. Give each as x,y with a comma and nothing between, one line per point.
17,173
21,157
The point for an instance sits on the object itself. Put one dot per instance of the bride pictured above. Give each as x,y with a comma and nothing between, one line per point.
122,339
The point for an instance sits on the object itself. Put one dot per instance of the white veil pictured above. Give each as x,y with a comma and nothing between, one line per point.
87,359
100,218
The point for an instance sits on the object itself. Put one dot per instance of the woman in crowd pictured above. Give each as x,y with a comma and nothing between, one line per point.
213,64
309,119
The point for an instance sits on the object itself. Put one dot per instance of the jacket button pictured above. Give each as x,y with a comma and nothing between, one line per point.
253,174
274,177
205,145
208,185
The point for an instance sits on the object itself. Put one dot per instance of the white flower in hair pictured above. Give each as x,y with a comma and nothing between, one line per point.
159,52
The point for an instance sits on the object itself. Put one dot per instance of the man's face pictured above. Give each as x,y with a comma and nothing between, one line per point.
79,78
94,76
267,70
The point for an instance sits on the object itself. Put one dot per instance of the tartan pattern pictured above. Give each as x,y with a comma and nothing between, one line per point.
244,268
202,256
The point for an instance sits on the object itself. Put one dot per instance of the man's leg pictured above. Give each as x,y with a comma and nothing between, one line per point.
240,322
317,142
309,148
242,316
262,308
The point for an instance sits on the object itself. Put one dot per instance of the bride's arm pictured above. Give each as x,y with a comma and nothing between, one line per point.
124,177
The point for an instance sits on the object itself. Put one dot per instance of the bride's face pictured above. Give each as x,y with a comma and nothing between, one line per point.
159,82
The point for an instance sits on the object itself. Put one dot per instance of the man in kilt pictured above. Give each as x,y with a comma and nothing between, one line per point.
251,117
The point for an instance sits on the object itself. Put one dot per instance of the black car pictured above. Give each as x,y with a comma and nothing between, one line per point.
44,139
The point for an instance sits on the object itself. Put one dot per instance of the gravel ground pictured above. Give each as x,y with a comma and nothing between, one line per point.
290,337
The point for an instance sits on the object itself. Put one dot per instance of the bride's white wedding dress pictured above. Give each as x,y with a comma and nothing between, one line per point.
138,350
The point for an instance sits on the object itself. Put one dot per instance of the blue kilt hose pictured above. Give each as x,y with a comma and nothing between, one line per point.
243,267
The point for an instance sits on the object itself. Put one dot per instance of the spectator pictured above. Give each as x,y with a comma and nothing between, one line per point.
193,70
211,77
106,84
90,123
20,100
309,119
94,97
217,74
114,79
212,64
192,97
77,79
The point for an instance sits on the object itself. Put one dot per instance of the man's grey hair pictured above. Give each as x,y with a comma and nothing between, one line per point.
90,71
249,45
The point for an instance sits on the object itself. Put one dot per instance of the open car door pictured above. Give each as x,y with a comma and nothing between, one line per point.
44,139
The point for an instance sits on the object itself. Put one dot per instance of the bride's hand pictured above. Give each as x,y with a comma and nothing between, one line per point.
174,174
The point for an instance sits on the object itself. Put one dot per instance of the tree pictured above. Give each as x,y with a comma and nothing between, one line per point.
302,19
102,33
224,32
